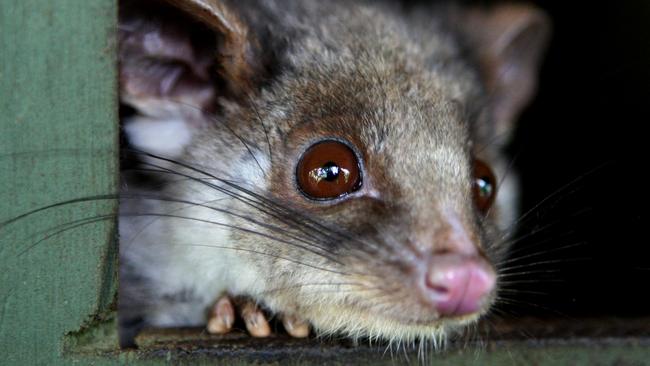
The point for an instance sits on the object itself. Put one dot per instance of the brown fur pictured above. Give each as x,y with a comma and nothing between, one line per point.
406,95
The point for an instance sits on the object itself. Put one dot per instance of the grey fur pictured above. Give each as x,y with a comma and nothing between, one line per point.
400,87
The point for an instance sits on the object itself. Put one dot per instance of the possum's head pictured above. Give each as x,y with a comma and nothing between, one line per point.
363,144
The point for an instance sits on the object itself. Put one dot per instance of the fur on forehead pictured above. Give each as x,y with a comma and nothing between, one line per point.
379,90
345,52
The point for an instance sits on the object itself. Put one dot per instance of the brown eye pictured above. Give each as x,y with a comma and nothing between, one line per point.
485,186
328,170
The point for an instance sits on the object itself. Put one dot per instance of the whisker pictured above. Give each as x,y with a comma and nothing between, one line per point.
99,218
517,291
532,281
90,220
166,199
144,227
505,270
265,202
527,273
57,204
266,254
246,230
67,227
557,192
261,121
284,213
223,124
159,169
326,291
245,200
301,285
539,230
526,303
542,252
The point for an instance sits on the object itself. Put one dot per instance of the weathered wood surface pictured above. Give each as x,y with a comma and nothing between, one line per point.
58,141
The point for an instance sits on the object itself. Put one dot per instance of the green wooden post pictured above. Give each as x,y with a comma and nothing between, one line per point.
58,141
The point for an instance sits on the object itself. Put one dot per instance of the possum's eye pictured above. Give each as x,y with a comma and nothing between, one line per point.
485,186
328,170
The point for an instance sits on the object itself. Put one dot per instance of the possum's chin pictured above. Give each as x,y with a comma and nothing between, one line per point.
358,324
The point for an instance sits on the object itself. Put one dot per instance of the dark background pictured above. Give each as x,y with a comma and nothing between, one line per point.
585,132
580,153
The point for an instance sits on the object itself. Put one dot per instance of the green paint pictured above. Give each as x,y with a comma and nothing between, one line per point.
58,141
100,337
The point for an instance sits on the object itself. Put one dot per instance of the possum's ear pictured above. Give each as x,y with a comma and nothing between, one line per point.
509,41
178,51
176,58
238,51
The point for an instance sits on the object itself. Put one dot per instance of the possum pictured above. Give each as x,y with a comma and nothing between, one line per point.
337,165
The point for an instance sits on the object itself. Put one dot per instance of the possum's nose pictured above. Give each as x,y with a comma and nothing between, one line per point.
457,284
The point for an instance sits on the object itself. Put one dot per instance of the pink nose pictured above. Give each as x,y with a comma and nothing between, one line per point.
458,284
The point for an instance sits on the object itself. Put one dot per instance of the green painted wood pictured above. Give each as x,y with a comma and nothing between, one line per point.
58,141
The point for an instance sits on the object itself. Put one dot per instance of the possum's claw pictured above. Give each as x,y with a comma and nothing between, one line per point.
255,320
222,318
295,326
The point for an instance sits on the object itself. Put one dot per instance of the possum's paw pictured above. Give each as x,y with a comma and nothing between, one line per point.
223,312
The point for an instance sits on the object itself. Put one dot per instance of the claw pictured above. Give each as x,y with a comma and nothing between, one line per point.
255,320
221,317
295,327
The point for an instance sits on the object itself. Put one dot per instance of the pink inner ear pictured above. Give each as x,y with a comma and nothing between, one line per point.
160,60
172,82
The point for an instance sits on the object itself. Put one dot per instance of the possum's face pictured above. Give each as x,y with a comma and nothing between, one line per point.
363,160
388,168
